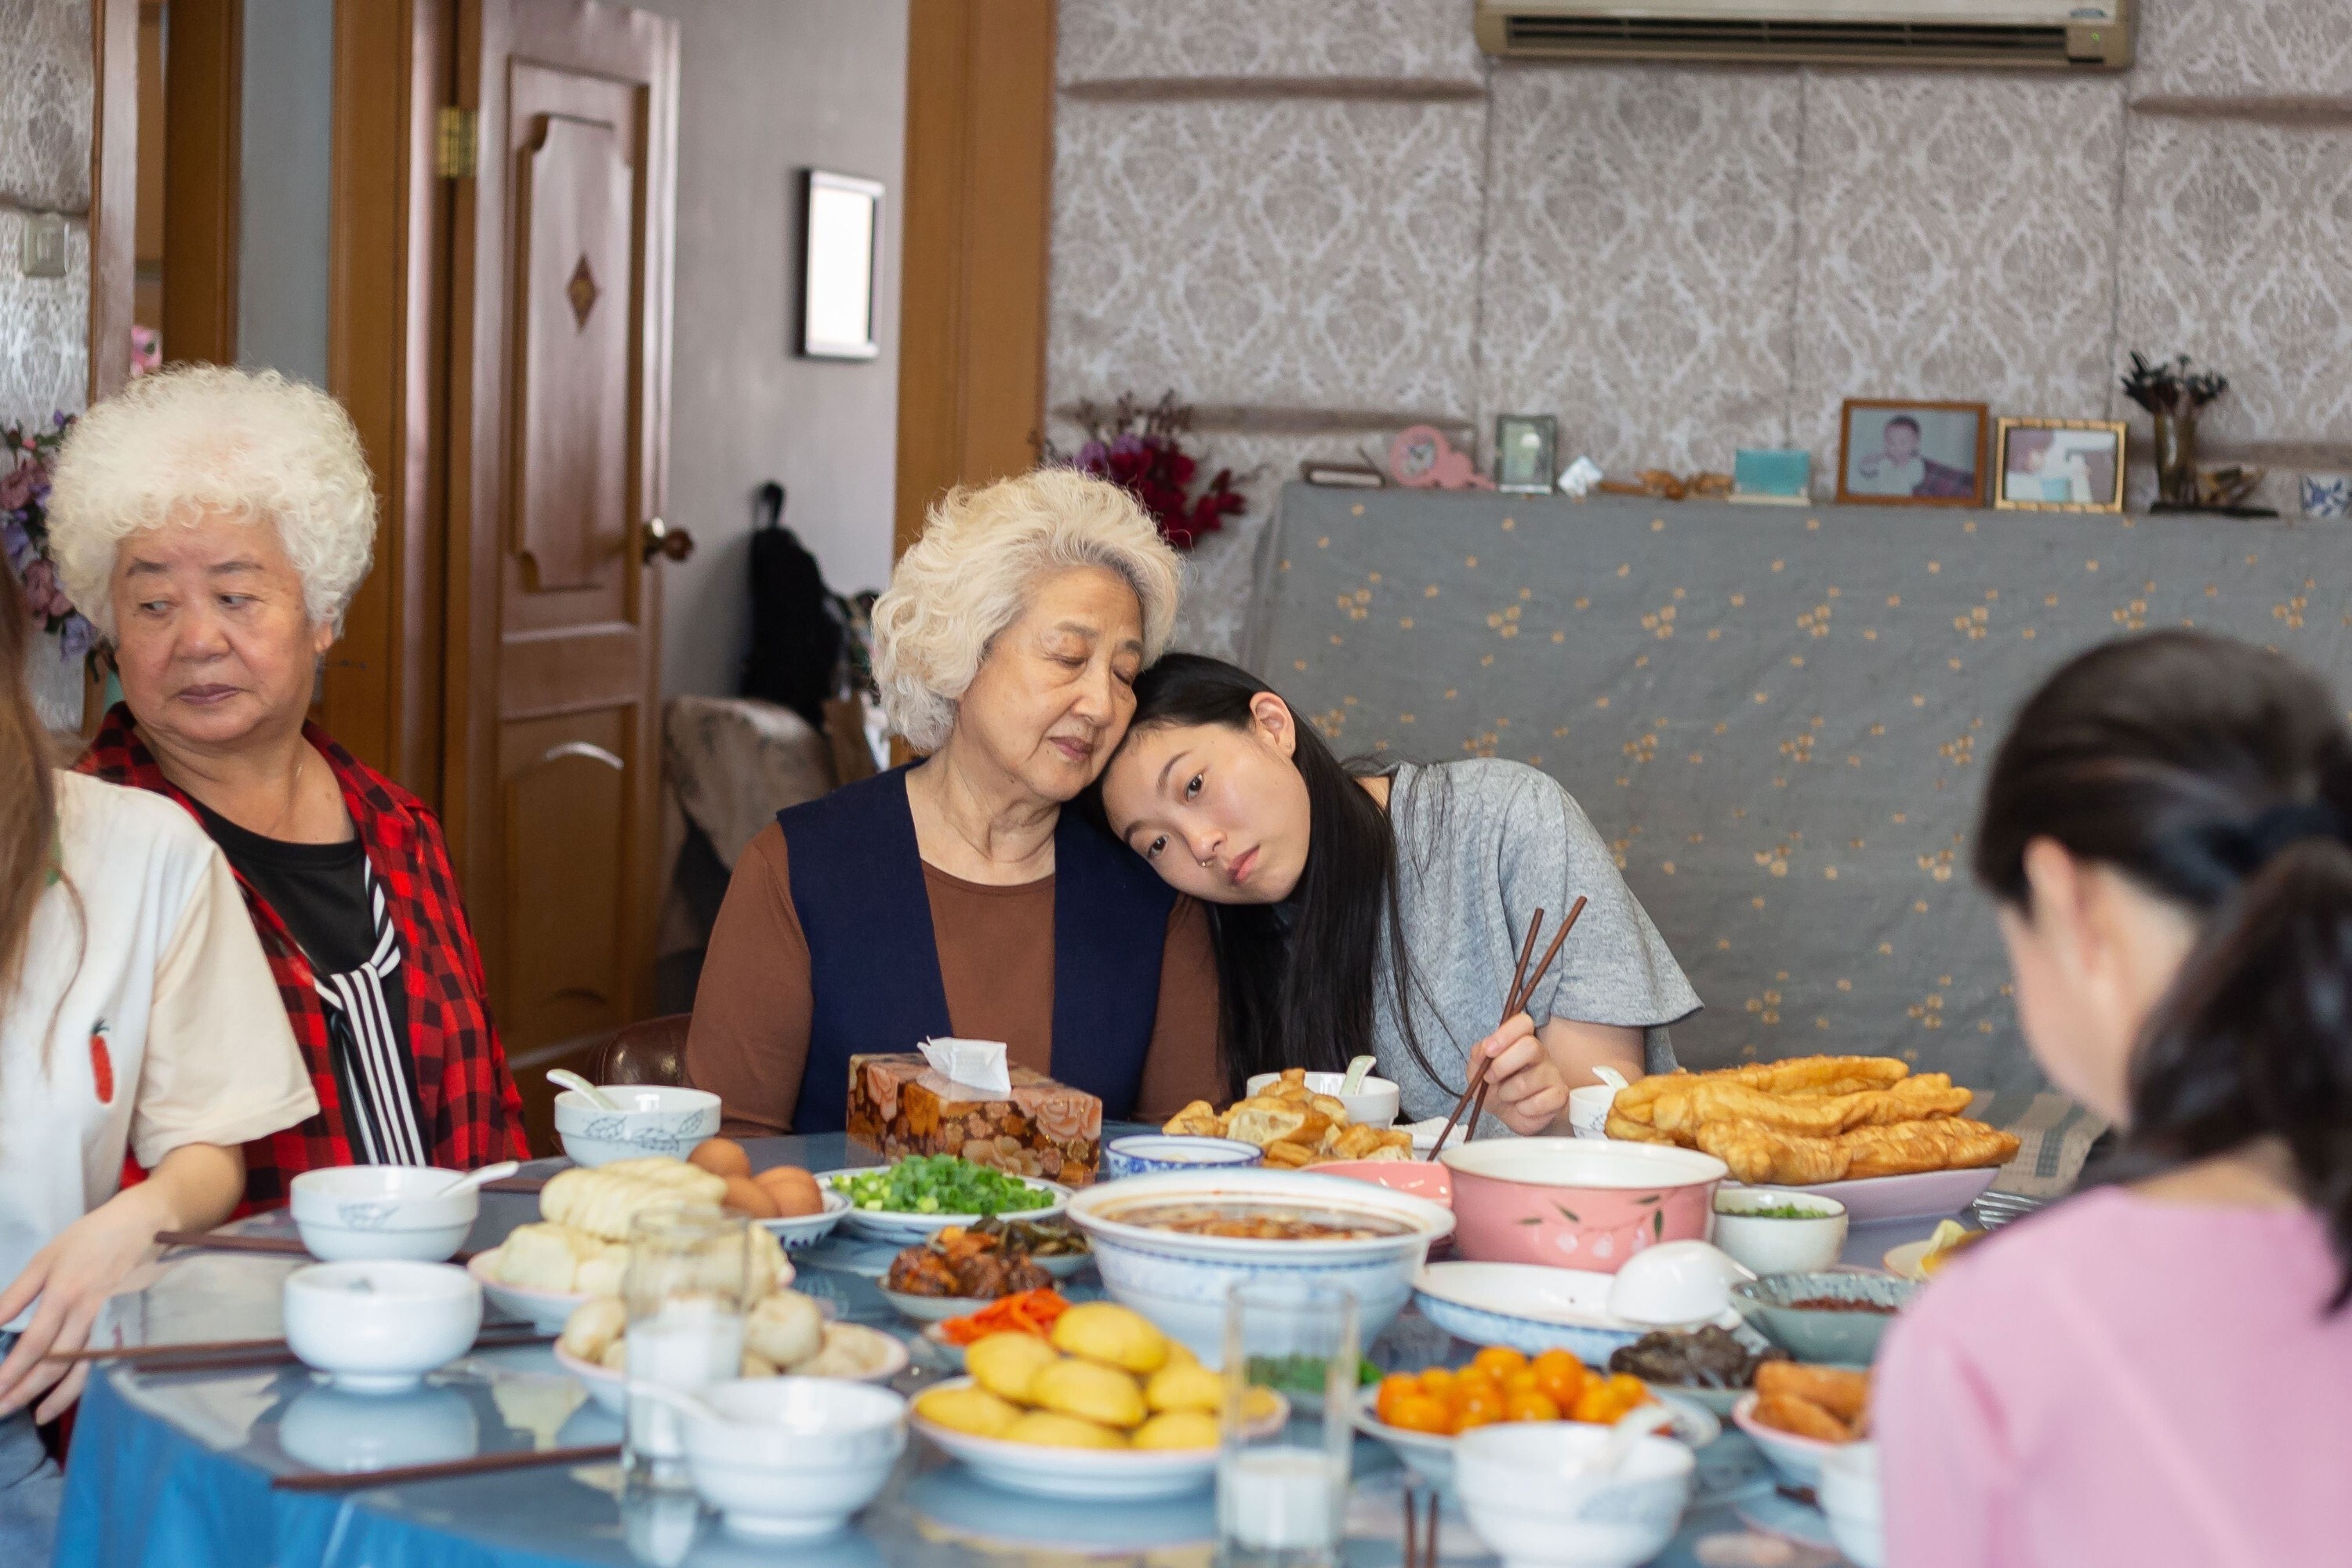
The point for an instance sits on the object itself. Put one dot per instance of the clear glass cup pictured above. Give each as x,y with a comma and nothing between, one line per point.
687,1288
1282,1484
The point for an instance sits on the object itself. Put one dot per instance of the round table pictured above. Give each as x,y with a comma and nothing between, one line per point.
176,1467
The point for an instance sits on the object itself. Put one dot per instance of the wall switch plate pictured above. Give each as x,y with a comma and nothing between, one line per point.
45,245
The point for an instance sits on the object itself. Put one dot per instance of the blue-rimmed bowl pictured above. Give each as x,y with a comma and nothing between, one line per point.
653,1120
1839,1338
1530,1308
1158,1154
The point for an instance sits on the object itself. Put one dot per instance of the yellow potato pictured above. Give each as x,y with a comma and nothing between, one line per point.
1181,1354
968,1409
1193,1387
1177,1429
1008,1363
1083,1389
1049,1430
1109,1333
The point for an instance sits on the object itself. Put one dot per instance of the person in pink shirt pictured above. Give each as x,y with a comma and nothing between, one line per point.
2157,1371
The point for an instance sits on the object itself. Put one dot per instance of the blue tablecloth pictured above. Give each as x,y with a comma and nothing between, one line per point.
174,1471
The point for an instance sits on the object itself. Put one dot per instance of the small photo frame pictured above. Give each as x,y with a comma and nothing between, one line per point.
841,230
1906,452
2059,465
1526,453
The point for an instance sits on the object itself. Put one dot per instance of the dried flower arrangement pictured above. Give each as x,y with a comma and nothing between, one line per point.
2170,387
1142,449
26,456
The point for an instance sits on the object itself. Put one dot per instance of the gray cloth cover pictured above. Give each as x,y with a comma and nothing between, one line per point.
1780,719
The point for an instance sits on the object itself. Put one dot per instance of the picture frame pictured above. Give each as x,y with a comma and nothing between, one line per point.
1526,453
841,246
2059,465
1940,460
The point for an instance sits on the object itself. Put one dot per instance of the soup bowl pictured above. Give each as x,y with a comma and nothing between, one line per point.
1180,1278
378,1327
1156,1153
353,1213
1577,1202
653,1120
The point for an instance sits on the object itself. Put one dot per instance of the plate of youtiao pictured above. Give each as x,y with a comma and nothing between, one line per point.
1885,1142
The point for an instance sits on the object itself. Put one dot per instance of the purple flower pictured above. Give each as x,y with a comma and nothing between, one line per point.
78,635
17,544
20,484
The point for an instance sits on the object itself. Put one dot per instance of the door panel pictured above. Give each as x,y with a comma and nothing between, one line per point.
559,438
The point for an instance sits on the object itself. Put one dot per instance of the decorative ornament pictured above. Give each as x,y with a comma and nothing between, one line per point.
1422,458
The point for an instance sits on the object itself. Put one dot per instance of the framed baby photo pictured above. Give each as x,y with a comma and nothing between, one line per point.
1527,450
2059,465
1898,452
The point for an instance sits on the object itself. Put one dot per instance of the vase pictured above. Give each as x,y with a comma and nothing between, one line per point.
2176,457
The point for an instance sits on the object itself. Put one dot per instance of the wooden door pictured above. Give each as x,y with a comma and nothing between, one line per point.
559,434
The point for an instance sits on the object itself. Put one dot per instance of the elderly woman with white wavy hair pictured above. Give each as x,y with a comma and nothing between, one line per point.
214,524
958,897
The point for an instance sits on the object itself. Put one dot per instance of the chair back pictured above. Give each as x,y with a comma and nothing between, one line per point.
652,1051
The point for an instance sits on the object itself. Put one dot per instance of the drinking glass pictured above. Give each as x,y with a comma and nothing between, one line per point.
1282,1484
687,1289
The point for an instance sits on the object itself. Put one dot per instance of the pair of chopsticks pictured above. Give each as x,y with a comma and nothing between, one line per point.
446,1469
1523,990
229,1356
1420,1540
266,1246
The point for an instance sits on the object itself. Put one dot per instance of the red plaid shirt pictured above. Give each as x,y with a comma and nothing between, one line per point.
471,1111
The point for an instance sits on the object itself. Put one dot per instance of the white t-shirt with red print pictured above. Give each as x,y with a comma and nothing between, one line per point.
144,1017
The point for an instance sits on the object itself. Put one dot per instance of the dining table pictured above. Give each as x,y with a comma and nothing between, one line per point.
214,1465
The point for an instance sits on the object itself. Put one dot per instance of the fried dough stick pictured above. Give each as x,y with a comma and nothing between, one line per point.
1681,1109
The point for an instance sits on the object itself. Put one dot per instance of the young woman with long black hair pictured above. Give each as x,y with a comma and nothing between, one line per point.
2155,1371
1382,913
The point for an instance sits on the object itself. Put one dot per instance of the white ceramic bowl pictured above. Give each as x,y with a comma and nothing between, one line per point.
349,1214
378,1327
333,1429
1521,1484
1675,1285
906,1228
609,1389
1525,1306
1799,1460
1429,1454
1779,1246
808,1229
1926,1194
1155,1154
653,1120
1180,1281
1375,1105
1587,1110
1850,1497
789,1459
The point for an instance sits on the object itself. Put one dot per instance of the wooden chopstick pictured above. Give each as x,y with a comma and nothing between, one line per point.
1523,990
515,1184
495,1336
217,1241
478,1465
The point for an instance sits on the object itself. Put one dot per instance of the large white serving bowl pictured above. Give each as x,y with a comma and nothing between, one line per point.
333,1429
907,1228
1083,1475
1522,1486
378,1327
349,1214
1924,1195
1375,1105
787,1458
1180,1281
653,1120
1429,1454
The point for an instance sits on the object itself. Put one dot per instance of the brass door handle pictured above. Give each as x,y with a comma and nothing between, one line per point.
661,539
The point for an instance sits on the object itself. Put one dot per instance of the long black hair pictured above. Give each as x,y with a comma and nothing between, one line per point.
2217,776
1296,980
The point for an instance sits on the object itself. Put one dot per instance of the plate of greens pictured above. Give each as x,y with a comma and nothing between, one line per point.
922,1194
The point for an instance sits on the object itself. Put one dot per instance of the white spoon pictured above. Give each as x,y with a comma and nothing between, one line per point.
1358,1071
564,1077
1627,1430
1610,1077
499,1172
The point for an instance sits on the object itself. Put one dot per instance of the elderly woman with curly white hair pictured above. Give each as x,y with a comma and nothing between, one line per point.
958,897
213,523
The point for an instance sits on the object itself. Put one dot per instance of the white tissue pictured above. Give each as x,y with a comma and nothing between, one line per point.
976,1065
1579,476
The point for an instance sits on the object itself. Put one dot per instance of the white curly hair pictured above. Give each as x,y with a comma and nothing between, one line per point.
970,575
210,440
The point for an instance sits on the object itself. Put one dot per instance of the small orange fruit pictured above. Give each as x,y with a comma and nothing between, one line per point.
1497,1360
1531,1407
1420,1412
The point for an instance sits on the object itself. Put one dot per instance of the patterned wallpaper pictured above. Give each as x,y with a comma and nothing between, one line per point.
1321,223
47,92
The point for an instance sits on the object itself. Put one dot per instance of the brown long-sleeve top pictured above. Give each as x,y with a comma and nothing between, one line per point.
749,1038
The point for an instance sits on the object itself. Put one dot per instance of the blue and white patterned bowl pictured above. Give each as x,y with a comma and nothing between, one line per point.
1530,1308
653,1121
1180,1281
1157,1153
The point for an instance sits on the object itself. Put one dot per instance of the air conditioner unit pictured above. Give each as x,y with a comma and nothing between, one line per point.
2051,35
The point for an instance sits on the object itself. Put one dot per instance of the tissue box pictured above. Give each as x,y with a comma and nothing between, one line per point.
902,1105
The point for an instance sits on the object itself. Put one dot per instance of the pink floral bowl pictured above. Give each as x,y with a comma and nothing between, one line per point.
1421,1178
1577,1202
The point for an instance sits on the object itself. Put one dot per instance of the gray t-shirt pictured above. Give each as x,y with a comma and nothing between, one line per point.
1480,846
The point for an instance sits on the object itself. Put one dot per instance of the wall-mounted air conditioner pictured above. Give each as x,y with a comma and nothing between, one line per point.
2051,35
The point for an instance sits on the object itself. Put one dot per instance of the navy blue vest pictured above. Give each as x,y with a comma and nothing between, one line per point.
874,962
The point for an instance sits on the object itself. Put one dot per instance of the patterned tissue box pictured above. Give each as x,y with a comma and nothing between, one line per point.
902,1105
